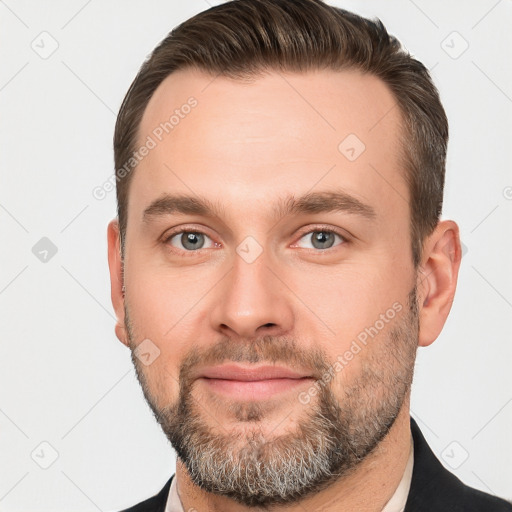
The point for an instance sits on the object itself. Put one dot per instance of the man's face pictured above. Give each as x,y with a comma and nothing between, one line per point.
272,279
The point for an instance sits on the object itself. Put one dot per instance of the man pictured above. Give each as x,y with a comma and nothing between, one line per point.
279,256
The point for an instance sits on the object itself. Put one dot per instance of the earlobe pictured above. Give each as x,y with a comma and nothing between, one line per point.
116,279
437,279
120,331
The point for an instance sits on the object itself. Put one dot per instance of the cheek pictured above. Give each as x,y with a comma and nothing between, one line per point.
348,299
158,366
360,305
159,309
161,299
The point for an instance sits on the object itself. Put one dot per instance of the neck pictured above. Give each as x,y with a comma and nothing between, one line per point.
367,489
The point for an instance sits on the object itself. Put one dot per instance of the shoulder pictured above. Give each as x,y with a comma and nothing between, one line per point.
435,489
154,504
480,501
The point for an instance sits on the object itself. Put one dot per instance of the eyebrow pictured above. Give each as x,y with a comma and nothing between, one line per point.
313,202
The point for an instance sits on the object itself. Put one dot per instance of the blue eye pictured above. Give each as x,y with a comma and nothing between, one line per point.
190,240
322,239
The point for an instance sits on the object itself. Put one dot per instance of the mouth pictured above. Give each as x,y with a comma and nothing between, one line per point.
252,383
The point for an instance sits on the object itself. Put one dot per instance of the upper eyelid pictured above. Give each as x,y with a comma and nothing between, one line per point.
345,238
329,229
185,229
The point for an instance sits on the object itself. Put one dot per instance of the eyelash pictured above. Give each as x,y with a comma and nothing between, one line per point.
323,229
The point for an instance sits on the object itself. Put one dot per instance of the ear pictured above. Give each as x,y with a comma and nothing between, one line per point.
116,279
437,279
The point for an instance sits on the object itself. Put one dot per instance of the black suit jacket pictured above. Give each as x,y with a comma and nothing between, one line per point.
433,488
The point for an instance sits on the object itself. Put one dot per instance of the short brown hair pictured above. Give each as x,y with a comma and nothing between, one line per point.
244,38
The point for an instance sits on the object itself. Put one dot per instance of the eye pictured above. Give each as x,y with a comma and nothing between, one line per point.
190,241
321,239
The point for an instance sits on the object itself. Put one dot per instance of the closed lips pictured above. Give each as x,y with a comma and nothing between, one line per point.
250,374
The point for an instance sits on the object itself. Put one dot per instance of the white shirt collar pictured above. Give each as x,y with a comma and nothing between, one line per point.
399,498
395,504
173,501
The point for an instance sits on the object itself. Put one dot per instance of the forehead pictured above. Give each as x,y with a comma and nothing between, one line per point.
244,142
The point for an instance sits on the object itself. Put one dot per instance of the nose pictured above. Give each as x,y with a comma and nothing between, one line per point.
252,301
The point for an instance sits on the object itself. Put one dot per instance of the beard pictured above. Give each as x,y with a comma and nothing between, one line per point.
329,439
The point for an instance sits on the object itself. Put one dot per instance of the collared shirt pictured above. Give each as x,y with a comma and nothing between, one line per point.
399,498
395,504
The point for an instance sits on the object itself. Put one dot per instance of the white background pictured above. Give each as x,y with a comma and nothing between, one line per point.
64,377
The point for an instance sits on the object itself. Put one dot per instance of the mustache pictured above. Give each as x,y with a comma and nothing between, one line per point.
268,349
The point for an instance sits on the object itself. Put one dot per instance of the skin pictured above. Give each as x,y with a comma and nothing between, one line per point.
246,145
